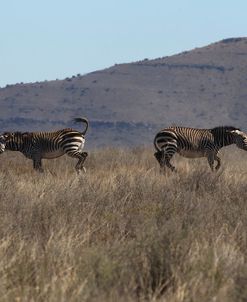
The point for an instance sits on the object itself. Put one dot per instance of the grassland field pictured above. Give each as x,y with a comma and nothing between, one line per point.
123,231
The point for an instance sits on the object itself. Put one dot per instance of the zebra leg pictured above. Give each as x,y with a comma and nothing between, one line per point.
82,157
37,165
210,158
79,166
164,160
159,156
167,163
218,163
169,152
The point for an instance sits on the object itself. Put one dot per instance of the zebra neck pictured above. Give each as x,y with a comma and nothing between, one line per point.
13,146
226,141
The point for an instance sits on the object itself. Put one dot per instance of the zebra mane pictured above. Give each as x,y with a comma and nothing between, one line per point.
224,128
17,134
12,133
22,134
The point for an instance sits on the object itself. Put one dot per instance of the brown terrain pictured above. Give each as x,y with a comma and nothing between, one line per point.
127,104
123,231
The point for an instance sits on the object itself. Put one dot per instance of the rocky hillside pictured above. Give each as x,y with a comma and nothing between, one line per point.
128,103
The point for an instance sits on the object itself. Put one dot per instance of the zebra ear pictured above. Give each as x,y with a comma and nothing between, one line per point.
7,135
235,132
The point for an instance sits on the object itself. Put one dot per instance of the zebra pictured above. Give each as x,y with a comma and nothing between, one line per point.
49,145
195,143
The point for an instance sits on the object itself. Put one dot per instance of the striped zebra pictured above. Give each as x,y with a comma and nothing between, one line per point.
48,145
194,143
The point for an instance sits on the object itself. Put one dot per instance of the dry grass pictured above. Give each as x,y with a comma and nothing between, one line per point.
123,232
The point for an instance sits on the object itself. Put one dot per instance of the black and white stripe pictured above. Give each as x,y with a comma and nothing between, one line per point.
48,145
2,143
193,143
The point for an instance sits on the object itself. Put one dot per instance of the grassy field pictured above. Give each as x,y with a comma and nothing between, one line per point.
122,231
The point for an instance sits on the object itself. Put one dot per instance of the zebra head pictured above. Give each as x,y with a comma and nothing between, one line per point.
13,140
240,139
2,143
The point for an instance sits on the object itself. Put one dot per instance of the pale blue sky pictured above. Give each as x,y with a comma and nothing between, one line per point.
49,39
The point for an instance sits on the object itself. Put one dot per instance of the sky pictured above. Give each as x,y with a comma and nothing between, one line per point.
55,39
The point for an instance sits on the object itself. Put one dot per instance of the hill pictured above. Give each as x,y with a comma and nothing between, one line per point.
128,103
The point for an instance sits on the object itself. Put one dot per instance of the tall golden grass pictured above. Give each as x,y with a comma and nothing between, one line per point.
122,231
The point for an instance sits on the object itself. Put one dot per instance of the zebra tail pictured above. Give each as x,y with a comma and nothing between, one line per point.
82,120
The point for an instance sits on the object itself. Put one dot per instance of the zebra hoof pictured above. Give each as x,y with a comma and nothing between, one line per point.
81,169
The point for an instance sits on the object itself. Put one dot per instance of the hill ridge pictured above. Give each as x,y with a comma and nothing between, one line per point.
199,88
